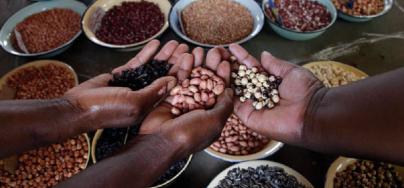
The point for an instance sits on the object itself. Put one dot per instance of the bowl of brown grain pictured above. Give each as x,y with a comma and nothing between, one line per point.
211,23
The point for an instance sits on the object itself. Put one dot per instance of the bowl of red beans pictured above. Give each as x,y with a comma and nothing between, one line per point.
42,29
299,19
362,10
125,24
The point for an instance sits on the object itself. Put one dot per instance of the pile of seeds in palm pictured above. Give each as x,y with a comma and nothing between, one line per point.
368,174
142,76
261,88
262,176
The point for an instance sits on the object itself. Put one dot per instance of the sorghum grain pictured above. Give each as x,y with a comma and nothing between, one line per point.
360,7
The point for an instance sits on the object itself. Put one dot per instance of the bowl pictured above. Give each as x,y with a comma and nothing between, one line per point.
94,15
269,149
8,27
340,165
388,4
6,93
97,136
343,66
253,164
251,5
302,36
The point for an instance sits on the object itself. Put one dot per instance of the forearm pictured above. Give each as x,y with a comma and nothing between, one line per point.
27,124
140,165
364,119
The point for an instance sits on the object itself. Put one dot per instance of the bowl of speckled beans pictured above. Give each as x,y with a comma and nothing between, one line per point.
125,24
362,11
299,20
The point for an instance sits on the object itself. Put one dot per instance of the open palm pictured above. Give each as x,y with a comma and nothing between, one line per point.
285,122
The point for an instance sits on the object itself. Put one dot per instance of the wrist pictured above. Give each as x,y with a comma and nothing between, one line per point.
310,129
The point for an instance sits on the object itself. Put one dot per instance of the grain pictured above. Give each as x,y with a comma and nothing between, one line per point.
216,22
46,30
360,7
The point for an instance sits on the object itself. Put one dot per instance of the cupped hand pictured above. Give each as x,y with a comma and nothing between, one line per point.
285,122
197,129
105,107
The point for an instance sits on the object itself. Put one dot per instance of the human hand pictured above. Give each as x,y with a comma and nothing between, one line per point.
197,129
285,122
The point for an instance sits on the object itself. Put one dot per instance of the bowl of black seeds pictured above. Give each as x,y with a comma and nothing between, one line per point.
260,174
350,172
107,142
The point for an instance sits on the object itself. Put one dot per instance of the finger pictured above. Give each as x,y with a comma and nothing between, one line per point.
243,56
187,63
98,81
198,56
224,53
224,71
181,49
153,94
213,58
141,58
153,121
274,65
223,107
167,51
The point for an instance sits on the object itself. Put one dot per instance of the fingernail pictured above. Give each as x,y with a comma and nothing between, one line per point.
171,84
266,53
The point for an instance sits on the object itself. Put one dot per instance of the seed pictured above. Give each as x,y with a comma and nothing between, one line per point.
242,99
254,69
241,73
244,81
258,106
275,98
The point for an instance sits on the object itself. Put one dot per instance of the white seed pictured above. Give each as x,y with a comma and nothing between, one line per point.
272,79
237,82
254,80
258,106
259,84
250,86
274,92
247,95
242,99
251,76
244,81
262,78
257,95
254,69
242,67
265,84
248,71
241,73
233,75
270,104
275,98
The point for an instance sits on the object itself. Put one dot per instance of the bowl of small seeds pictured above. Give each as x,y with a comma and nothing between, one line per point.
299,19
259,173
362,10
211,23
239,143
46,166
349,172
42,29
125,24
334,74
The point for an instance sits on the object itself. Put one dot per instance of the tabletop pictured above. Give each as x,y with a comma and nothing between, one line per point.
374,47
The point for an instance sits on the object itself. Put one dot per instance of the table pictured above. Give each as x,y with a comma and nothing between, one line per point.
374,47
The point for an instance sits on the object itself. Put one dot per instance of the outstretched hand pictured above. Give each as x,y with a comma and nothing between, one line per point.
285,122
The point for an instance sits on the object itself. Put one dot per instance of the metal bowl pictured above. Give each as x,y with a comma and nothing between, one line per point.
251,5
388,4
8,27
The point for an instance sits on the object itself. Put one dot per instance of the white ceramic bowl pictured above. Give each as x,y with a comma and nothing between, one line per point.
95,12
251,5
271,148
8,27
254,164
340,165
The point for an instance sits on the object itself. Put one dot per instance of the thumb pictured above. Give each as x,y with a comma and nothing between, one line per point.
274,65
156,92
223,108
